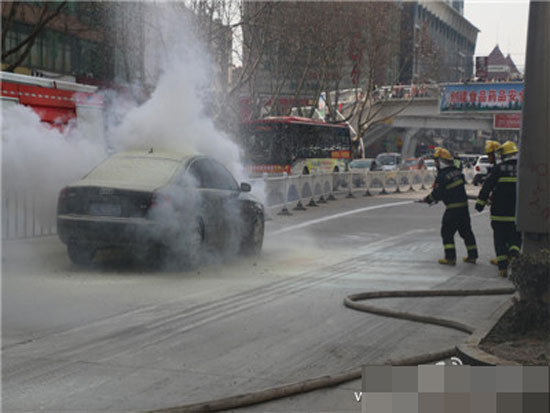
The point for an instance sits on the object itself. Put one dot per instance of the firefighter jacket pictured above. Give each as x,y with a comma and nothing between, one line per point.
501,183
449,188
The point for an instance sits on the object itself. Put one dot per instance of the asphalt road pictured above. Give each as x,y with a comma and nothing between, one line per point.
123,338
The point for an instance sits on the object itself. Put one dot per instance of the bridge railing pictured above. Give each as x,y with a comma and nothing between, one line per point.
25,216
407,92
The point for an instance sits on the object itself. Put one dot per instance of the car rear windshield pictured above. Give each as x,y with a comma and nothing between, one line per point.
135,169
387,160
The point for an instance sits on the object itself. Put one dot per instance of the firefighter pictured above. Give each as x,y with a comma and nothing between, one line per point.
449,188
501,184
491,150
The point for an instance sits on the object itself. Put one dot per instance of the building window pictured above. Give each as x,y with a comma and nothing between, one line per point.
36,52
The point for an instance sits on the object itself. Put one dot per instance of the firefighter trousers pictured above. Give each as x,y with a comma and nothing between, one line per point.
457,219
507,242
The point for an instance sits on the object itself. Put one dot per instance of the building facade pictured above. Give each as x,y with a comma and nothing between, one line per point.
442,39
107,44
310,48
68,47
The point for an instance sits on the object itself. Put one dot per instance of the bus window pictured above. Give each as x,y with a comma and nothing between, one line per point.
285,143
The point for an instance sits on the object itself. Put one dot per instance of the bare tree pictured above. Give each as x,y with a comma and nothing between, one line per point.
18,53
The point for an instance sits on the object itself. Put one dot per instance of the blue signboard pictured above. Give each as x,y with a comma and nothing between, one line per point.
486,97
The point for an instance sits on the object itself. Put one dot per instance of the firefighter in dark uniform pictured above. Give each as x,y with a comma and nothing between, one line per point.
501,185
491,150
449,188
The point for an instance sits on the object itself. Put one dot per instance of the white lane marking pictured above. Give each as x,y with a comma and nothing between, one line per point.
336,216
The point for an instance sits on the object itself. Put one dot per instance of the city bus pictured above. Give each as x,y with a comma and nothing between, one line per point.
295,145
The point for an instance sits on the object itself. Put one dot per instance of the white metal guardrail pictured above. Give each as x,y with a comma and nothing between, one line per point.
23,216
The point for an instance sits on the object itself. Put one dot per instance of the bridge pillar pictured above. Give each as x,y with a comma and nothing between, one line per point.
409,142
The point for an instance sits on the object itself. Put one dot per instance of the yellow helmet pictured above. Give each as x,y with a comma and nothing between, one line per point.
491,146
508,148
442,153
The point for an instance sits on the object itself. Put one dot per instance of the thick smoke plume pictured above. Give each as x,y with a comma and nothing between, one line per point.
39,160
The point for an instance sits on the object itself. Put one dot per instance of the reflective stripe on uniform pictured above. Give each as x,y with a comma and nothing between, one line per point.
514,248
503,219
457,205
508,179
501,258
454,184
449,246
471,247
481,202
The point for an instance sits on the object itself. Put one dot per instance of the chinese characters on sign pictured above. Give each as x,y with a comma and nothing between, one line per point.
507,121
482,97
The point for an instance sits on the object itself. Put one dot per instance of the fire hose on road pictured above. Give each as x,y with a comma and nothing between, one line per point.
353,302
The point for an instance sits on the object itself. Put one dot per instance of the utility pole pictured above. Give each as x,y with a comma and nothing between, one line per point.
533,208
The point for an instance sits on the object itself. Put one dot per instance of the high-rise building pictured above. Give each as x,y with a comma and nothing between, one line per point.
442,39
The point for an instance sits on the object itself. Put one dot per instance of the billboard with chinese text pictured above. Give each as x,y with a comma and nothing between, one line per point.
486,97
507,121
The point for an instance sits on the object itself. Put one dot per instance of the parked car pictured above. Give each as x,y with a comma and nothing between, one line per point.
390,161
163,206
482,168
359,167
468,160
430,164
415,163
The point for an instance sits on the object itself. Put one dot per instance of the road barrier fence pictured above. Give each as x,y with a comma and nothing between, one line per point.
24,216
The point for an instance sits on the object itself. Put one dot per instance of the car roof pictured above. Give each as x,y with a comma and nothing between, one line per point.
172,156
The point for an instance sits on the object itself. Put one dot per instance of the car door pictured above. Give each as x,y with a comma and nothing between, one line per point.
226,191
219,199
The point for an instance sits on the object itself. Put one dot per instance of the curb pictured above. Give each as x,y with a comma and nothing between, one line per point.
470,352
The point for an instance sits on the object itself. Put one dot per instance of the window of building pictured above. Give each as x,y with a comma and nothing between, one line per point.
36,52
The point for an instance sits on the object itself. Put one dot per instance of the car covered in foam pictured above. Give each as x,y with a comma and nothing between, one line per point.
160,206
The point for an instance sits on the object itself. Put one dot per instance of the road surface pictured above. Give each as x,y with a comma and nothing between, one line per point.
119,337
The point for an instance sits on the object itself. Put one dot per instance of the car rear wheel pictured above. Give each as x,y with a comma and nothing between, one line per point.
81,255
253,241
186,252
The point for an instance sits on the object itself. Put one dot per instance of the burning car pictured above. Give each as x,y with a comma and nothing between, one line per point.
159,205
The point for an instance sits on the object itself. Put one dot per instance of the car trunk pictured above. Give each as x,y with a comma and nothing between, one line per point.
104,201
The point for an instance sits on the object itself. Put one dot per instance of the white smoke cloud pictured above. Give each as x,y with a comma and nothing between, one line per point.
41,160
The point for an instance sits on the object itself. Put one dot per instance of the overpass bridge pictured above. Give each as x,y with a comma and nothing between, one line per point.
420,113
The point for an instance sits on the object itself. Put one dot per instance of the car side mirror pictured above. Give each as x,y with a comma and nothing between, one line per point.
245,187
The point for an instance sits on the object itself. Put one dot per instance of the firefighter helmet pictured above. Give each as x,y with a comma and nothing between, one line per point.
442,153
491,146
508,148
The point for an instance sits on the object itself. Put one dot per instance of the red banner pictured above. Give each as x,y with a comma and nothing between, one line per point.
508,121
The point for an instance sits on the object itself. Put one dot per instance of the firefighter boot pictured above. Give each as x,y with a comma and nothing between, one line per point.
447,261
503,273
469,260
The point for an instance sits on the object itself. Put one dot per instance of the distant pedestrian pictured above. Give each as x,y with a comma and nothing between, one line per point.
449,188
501,185
457,161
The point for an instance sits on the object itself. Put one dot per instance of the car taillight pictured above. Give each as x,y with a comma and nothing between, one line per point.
160,199
477,168
63,194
